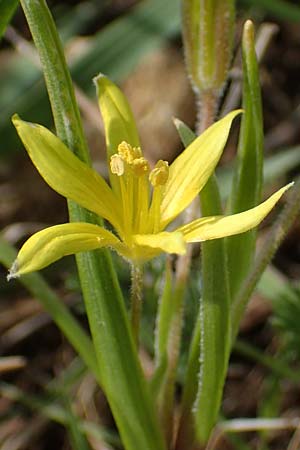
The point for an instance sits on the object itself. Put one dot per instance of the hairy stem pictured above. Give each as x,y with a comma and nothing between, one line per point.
136,300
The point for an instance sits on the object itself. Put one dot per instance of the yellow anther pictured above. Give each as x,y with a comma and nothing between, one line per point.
117,165
137,152
159,175
140,166
129,153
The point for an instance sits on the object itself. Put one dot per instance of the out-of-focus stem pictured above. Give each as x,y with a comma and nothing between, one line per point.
136,300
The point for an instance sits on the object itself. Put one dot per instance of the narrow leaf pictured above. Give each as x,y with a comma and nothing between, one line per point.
186,429
7,10
203,392
164,315
214,321
247,182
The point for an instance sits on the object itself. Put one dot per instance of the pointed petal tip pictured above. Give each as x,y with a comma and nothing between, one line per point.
98,78
236,112
216,227
283,190
15,118
18,122
13,271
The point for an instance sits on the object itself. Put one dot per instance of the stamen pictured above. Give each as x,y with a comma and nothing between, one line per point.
159,175
129,153
140,166
117,165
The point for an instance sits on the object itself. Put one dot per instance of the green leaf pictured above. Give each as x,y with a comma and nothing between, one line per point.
185,133
247,182
164,318
123,380
7,10
121,374
213,323
186,429
168,334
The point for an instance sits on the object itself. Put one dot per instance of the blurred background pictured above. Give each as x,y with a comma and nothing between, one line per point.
138,45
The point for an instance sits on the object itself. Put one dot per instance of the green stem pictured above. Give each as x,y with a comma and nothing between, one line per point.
136,300
186,430
167,393
207,105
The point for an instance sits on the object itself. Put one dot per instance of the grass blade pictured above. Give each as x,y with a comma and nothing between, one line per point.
7,10
247,182
214,322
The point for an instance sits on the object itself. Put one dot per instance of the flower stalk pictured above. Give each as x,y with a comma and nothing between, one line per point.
136,297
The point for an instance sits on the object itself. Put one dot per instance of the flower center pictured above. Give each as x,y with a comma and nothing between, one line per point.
141,214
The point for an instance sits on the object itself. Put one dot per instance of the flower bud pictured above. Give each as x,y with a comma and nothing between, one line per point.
208,30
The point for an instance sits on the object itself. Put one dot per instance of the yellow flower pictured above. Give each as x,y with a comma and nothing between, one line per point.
140,203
